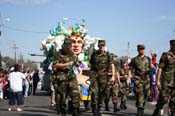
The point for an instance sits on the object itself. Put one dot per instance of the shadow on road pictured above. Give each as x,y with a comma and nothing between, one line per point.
33,114
3,109
35,106
42,93
40,111
122,114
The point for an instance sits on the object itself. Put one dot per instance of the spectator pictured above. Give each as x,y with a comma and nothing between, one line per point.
154,57
16,82
5,85
30,83
35,81
1,92
154,90
26,83
153,87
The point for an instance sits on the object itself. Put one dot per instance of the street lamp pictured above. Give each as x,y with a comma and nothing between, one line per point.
1,22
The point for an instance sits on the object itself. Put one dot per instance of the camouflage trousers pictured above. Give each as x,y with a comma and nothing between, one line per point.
112,89
98,90
142,91
65,89
124,90
166,93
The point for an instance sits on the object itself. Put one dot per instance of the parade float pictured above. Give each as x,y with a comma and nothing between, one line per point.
53,43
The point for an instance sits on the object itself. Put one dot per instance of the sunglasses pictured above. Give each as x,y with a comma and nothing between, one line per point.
141,48
173,44
101,45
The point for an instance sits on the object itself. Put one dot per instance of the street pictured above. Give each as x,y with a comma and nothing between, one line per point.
39,104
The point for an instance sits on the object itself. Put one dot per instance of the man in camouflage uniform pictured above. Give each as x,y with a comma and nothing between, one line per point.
125,78
100,62
141,65
112,89
166,80
66,82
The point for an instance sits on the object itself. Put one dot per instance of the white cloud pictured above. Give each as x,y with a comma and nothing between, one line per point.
167,18
25,1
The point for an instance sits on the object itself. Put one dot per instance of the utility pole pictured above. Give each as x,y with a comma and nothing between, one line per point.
129,50
15,48
1,24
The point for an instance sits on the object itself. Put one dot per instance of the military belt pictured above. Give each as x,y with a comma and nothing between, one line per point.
141,78
63,70
141,74
122,80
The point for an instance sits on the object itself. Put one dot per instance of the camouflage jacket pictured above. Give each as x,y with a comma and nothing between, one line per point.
67,72
110,57
167,64
140,66
124,73
101,62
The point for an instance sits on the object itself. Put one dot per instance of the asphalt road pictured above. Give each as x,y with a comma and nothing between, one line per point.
39,104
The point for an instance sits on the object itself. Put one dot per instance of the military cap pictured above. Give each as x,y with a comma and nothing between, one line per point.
172,42
140,46
114,55
124,60
67,42
101,42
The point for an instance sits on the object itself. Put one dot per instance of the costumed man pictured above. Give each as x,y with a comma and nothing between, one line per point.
112,89
67,84
166,80
141,66
99,64
125,79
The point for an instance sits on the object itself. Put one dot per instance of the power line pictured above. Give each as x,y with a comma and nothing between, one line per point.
22,30
17,29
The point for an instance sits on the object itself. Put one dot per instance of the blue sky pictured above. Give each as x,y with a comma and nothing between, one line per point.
149,22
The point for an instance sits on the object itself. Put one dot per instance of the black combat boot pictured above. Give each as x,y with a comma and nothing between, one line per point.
140,112
116,109
75,112
106,107
58,108
99,112
172,113
156,112
86,105
70,108
63,111
124,105
63,114
94,110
